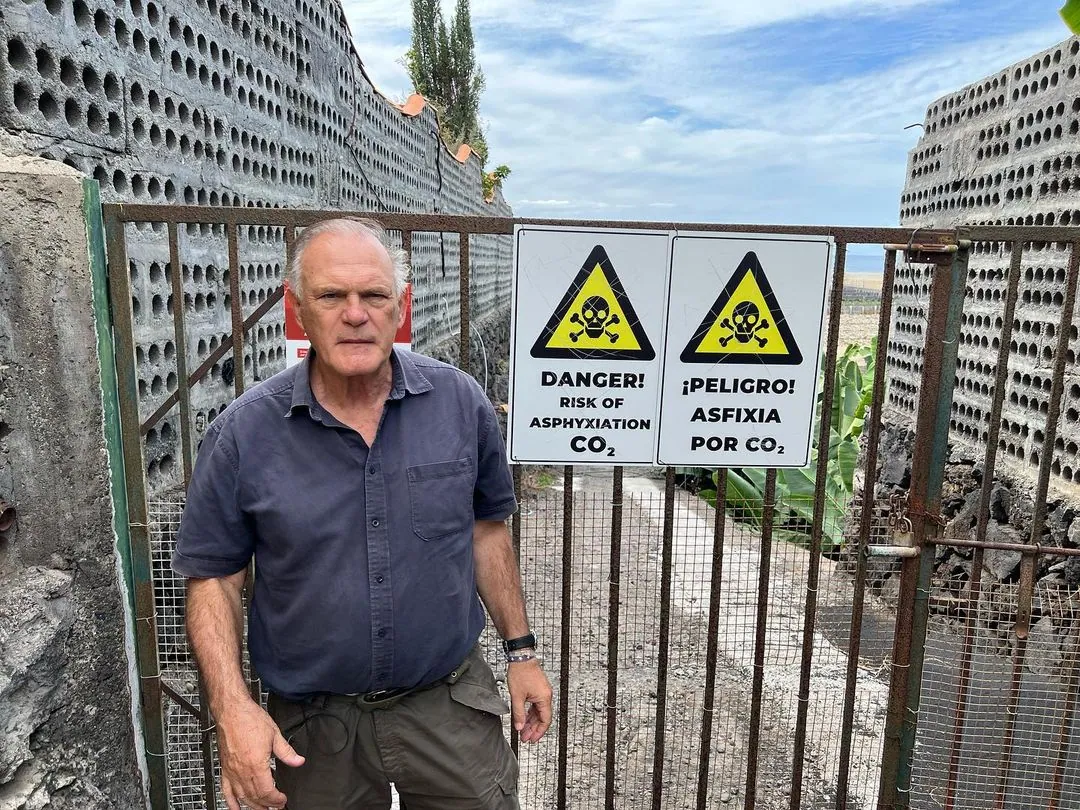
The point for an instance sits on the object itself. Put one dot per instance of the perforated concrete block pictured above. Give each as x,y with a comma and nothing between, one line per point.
242,103
1002,151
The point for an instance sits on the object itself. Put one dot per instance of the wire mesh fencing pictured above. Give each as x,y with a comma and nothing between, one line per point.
720,775
1015,740
706,756
191,744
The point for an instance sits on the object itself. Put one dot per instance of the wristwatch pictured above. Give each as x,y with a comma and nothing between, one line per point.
527,642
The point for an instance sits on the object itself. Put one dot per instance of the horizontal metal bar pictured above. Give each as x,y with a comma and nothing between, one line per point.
893,551
922,248
1023,548
284,217
434,223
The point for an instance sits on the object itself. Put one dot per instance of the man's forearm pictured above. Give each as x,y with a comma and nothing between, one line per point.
214,625
497,579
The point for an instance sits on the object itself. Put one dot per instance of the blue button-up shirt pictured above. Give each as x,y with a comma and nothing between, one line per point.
364,555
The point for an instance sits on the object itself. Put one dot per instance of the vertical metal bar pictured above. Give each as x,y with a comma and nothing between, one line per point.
564,647
1021,630
146,649
515,536
817,526
1072,687
237,312
866,519
712,639
615,566
974,591
290,246
176,279
464,358
238,389
180,335
753,746
665,639
927,471
1038,519
515,521
407,246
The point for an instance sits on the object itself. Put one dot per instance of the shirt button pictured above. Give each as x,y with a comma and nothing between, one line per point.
372,469
375,522
382,633
379,579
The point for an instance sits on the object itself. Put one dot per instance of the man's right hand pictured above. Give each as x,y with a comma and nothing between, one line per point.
247,737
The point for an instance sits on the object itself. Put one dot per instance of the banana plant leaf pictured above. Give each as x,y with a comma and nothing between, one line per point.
747,500
1070,13
799,484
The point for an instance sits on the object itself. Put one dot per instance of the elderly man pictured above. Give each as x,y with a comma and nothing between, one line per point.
371,485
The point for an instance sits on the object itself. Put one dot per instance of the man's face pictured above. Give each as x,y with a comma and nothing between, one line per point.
347,304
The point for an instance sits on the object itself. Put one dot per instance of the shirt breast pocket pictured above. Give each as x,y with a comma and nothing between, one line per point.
441,498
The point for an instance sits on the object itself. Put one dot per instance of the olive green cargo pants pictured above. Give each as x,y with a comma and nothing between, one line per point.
442,747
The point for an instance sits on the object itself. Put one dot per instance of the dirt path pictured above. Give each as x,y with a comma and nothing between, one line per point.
638,657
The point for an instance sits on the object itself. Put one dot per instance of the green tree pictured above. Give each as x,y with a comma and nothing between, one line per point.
493,179
443,69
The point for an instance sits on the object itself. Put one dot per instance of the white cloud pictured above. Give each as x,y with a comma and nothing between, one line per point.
615,104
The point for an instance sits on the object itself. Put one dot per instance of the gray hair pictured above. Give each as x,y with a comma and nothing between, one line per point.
356,227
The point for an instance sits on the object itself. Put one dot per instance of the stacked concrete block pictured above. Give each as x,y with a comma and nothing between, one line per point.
1001,151
246,103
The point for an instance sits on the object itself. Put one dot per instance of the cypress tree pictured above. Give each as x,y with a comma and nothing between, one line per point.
443,69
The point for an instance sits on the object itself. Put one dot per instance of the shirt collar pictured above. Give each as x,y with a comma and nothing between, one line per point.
301,385
408,379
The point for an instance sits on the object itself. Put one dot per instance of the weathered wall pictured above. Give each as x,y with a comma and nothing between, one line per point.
66,737
489,354
1004,151
248,104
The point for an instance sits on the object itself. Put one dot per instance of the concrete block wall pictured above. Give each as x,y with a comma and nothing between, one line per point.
67,737
245,103
1004,150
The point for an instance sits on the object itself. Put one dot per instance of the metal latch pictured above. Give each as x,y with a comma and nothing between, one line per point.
900,528
900,531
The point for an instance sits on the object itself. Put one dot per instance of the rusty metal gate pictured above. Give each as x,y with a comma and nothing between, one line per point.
699,660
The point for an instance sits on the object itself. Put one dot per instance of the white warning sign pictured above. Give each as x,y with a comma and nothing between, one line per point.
588,325
742,349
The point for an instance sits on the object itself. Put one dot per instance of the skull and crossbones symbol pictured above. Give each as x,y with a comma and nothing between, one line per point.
744,324
594,319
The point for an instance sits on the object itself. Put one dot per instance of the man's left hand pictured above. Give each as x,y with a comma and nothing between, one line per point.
529,686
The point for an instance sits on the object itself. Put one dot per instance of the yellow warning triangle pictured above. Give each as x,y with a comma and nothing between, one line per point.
595,319
745,324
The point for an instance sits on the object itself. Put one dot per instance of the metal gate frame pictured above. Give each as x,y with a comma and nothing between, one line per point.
947,254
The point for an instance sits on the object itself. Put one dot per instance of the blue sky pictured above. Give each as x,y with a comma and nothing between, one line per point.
762,111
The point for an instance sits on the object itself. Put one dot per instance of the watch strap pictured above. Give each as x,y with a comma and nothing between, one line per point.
520,643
